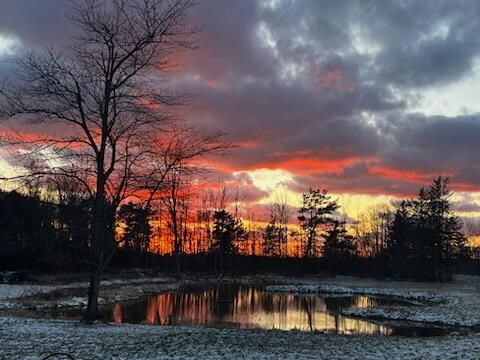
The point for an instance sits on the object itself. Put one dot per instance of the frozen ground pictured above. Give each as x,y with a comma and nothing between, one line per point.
454,303
45,296
34,339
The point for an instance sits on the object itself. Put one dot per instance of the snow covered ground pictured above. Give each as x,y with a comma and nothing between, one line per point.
452,304
34,339
457,303
29,296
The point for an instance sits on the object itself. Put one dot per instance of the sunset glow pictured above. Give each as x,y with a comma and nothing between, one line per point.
239,179
319,118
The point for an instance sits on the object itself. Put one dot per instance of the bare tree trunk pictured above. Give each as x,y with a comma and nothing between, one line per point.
93,291
178,262
98,243
96,90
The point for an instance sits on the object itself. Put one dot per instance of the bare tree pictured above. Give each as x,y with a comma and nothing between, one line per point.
252,235
102,95
173,199
275,242
471,229
170,177
205,220
372,229
283,213
316,211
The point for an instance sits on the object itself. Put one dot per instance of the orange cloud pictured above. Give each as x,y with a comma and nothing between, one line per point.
463,186
404,175
213,83
149,104
308,165
247,144
24,140
335,79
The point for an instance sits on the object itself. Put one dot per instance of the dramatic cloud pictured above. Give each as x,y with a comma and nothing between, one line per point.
337,94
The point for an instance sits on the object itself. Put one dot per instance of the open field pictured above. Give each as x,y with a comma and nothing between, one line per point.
24,337
33,339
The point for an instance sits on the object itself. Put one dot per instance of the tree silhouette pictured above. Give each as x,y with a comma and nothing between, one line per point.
136,227
425,236
271,239
316,210
339,245
101,93
226,230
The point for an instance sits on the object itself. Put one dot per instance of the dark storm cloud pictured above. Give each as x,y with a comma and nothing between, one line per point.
226,41
417,149
450,139
383,52
326,80
423,43
359,178
436,145
36,23
291,119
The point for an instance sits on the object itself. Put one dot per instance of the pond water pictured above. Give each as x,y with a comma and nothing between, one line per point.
249,307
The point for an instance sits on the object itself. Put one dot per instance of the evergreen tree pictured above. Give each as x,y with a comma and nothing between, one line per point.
137,229
400,241
270,240
425,237
339,243
226,230
317,206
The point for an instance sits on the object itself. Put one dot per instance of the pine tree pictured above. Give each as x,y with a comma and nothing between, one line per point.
317,206
226,230
339,243
270,240
137,229
400,240
425,237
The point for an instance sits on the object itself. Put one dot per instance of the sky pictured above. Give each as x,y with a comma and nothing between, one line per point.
368,99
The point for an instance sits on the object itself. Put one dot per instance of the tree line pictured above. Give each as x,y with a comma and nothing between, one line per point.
418,238
107,165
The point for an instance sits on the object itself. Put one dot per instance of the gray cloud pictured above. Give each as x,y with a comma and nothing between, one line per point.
471,207
35,23
327,80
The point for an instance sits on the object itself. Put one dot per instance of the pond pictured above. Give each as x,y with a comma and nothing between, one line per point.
250,307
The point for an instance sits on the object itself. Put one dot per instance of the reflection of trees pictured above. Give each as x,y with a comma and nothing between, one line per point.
308,305
245,306
117,314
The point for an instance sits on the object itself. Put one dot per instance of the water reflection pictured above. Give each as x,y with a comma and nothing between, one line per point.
250,307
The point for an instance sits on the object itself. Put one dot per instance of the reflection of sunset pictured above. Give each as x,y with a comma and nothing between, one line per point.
248,307
159,309
117,314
